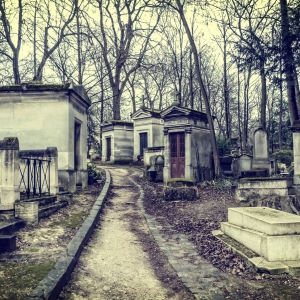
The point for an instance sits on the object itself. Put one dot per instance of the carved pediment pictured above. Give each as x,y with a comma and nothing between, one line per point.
179,111
140,114
145,112
175,111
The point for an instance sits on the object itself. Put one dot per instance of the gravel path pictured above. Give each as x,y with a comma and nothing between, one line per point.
114,264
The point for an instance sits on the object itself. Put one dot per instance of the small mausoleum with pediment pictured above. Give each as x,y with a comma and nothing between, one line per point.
117,141
187,146
147,130
49,115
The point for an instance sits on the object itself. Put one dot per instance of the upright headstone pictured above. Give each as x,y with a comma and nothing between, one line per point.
261,150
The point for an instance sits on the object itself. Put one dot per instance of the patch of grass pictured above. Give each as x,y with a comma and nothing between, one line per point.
18,279
71,222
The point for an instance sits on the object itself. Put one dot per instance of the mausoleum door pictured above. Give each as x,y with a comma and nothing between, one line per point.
108,149
143,142
177,153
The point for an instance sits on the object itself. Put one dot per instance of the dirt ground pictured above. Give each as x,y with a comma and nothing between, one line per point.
121,260
38,247
196,219
115,263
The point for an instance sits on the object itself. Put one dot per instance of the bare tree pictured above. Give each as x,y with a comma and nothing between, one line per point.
53,30
250,22
180,10
124,39
12,51
288,60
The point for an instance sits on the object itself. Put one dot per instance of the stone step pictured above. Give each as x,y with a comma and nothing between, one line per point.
271,247
46,211
44,200
7,243
9,227
265,220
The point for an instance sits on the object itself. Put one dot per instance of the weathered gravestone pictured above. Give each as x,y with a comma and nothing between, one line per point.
261,150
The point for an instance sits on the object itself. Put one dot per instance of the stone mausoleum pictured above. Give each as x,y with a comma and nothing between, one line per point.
117,141
180,135
147,130
187,146
49,115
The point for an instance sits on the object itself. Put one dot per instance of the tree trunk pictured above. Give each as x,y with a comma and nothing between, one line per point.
263,103
288,61
34,39
191,81
206,101
239,107
246,108
16,72
225,87
116,103
79,62
280,108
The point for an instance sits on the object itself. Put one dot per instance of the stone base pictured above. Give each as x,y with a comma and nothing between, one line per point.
271,248
272,234
7,243
256,262
27,211
253,188
180,193
262,164
68,179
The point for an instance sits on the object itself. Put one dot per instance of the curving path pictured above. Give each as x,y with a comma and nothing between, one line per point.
114,264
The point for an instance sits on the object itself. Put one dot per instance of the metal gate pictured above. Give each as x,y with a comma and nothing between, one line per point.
35,177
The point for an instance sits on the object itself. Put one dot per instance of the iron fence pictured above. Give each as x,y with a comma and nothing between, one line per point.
35,177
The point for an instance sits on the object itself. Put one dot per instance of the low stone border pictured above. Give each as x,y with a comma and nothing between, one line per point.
52,284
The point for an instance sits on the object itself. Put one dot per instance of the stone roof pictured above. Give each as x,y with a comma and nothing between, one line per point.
39,86
153,112
176,110
116,122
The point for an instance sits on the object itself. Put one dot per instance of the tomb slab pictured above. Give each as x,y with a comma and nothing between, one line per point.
265,220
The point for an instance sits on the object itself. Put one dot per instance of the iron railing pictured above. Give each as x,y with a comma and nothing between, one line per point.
35,177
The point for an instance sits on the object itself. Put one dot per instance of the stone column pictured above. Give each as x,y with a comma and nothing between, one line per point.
188,157
296,148
52,153
9,173
166,172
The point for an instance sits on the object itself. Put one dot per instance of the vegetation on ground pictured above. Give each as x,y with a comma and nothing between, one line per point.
20,277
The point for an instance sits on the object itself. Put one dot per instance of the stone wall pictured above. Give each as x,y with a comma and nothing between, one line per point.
201,155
